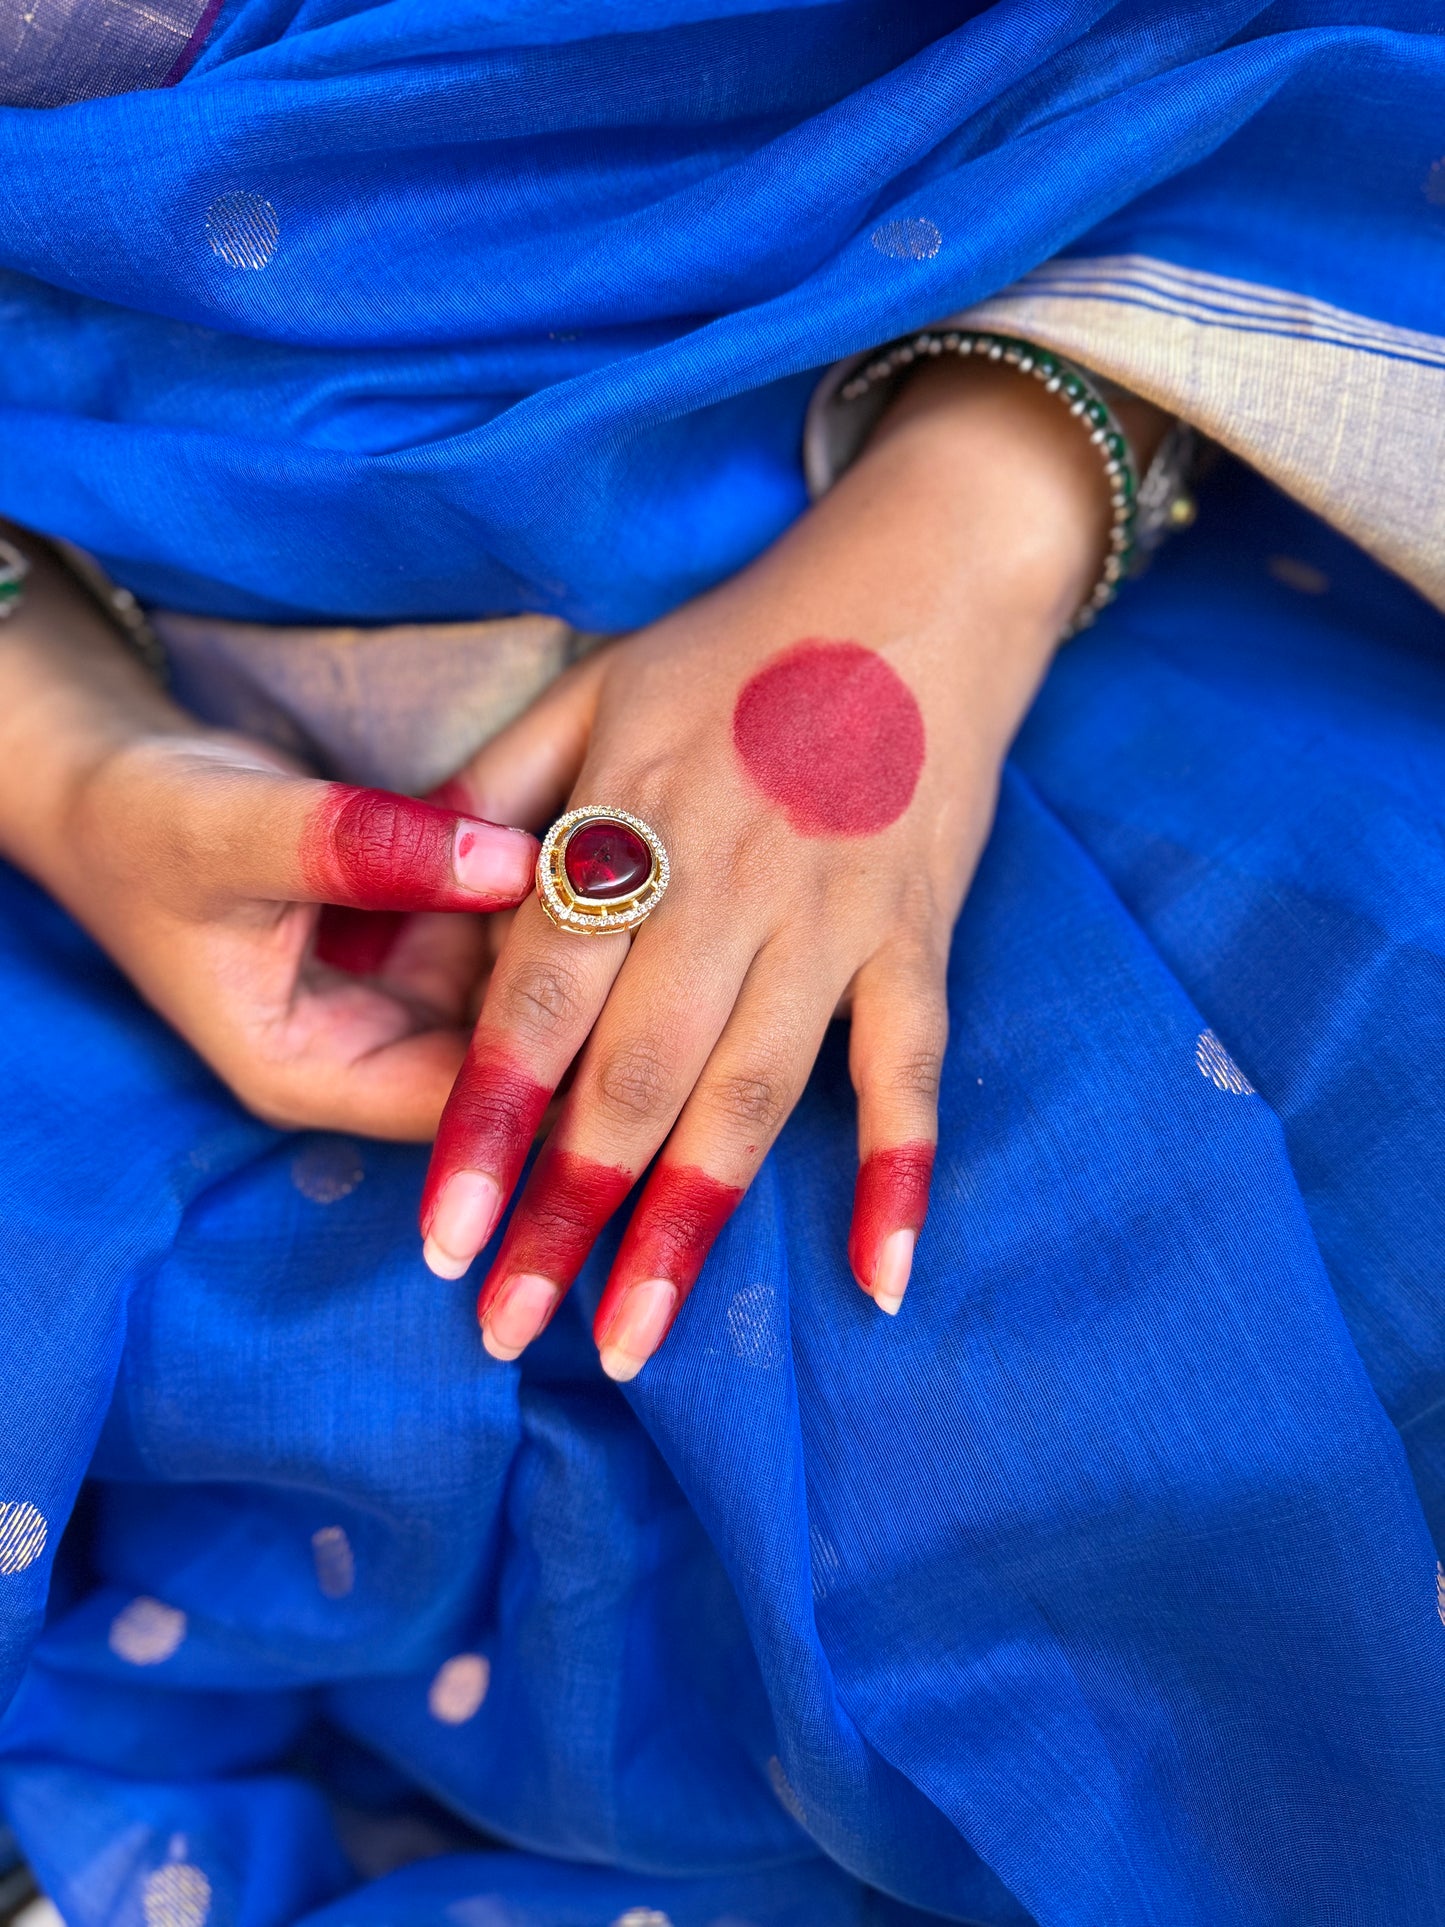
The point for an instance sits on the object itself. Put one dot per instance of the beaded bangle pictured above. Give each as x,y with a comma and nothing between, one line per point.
116,603
13,571
1143,511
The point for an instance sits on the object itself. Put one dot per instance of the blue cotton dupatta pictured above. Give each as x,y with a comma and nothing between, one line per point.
1102,1586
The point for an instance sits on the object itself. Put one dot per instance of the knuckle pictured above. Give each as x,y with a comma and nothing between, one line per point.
916,1074
543,995
634,1083
757,1097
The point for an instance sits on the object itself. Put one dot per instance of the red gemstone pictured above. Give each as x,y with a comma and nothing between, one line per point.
605,859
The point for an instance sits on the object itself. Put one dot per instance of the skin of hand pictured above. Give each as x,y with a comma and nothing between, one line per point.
198,860
818,742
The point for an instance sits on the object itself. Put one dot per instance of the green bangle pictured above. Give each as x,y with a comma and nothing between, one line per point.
13,571
1160,493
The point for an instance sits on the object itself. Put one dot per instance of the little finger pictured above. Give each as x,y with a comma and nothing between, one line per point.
900,1028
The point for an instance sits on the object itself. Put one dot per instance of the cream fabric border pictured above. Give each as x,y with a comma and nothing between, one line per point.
1344,412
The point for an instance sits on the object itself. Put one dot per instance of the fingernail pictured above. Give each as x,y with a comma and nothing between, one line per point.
638,1328
492,861
890,1275
461,1223
518,1312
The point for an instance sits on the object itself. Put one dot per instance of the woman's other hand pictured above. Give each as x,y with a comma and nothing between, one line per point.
199,860
818,743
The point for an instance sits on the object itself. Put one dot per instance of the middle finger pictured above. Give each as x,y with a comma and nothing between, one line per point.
663,1016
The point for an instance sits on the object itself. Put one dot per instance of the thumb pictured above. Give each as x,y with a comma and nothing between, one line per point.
526,772
256,832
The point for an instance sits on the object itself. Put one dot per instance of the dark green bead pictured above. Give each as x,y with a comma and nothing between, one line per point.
1117,447
1097,413
1072,387
1046,363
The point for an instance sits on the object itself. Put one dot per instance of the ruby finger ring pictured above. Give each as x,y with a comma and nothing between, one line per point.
600,871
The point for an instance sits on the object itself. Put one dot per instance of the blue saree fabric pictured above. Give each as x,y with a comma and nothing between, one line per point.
1101,1586
523,302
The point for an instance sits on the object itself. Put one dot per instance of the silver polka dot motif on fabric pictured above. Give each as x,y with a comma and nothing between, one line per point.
334,1561
912,238
459,1688
177,1895
147,1631
327,1169
23,1533
1219,1067
243,230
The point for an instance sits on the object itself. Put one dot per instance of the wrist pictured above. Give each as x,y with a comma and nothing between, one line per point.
71,694
967,533
1015,465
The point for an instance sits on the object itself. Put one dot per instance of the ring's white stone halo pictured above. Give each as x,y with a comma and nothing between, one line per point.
597,916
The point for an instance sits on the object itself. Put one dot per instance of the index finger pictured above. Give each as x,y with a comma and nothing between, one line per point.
261,833
542,1000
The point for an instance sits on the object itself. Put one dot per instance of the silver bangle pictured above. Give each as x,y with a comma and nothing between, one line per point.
13,570
1144,510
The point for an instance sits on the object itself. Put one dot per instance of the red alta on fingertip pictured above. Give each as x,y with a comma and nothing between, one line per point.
489,1125
678,1217
568,1200
375,850
891,1195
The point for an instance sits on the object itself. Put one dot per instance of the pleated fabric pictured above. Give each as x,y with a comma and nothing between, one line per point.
1102,1585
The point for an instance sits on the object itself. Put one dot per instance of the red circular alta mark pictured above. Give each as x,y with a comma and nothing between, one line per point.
833,736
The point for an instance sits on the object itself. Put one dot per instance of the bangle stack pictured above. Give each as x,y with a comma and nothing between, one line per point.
13,571
1144,510
119,605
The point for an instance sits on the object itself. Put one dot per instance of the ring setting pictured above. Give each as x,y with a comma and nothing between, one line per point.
600,871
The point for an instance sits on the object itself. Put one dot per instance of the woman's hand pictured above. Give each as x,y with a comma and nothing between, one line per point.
198,861
818,743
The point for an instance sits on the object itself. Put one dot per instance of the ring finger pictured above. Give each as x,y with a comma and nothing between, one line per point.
752,1079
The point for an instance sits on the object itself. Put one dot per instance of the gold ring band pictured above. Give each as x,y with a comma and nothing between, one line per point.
600,871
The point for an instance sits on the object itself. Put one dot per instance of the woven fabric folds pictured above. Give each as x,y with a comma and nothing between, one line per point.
1101,1586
